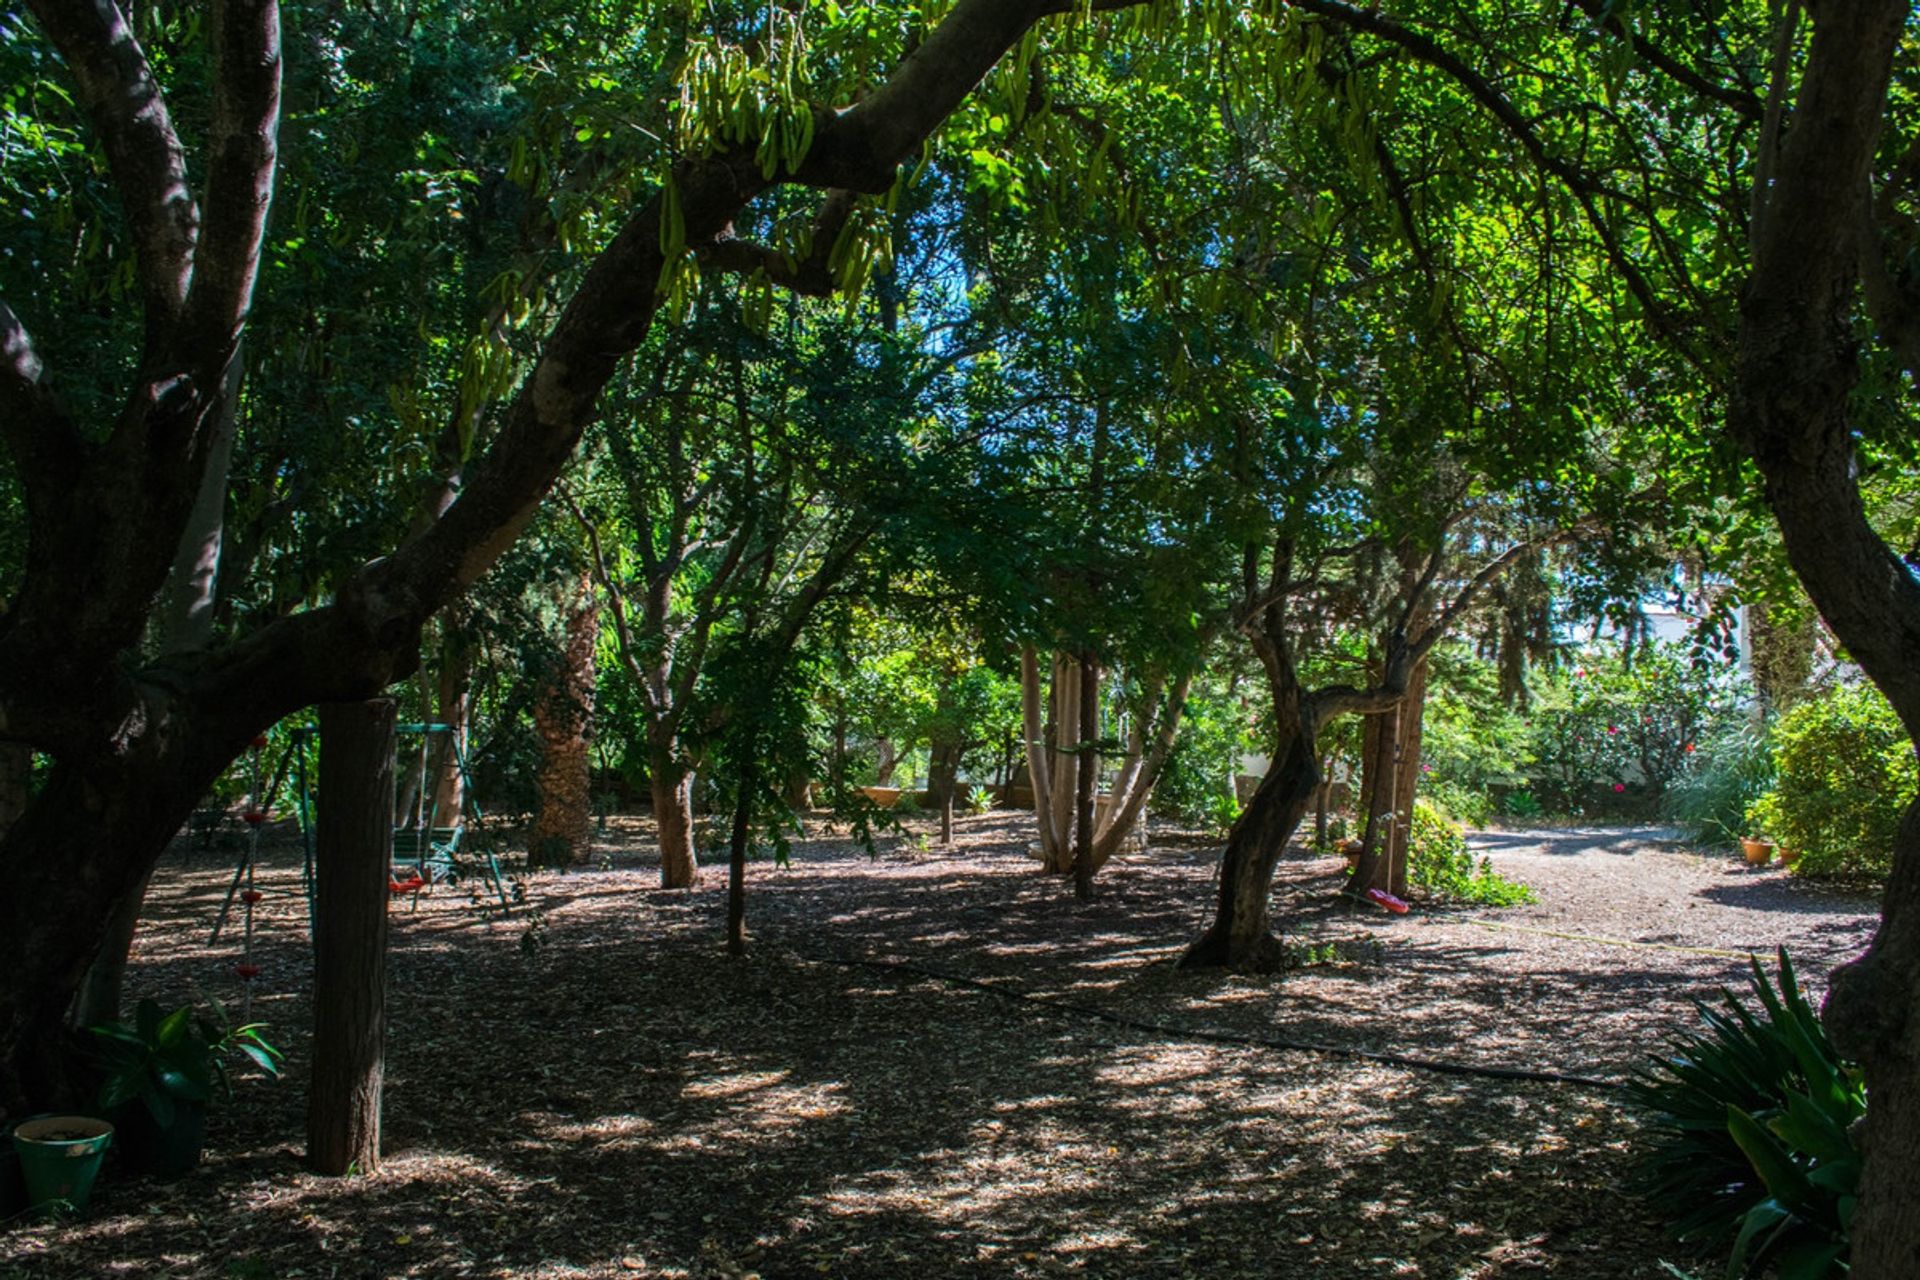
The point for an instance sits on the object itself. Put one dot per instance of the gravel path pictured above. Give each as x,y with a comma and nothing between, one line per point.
606,1095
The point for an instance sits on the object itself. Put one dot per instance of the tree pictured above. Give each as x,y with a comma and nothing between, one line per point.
132,747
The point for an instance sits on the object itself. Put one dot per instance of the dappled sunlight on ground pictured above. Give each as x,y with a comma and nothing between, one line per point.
608,1095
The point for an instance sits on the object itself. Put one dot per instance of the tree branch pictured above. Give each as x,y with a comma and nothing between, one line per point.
811,276
128,111
243,153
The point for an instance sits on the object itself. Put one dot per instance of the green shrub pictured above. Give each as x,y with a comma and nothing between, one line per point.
1730,770
1463,804
1751,1146
1196,784
1439,862
1521,804
1843,774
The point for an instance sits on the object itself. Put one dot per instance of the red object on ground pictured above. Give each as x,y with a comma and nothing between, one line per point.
253,817
412,884
247,971
1381,898
251,896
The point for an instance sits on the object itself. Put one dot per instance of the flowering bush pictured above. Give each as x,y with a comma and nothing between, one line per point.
1613,731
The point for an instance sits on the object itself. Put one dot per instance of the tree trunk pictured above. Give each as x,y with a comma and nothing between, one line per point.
1240,937
102,989
1382,778
454,708
1322,795
1796,367
943,768
353,854
1087,773
1408,724
562,830
183,623
737,866
672,788
1039,760
1066,764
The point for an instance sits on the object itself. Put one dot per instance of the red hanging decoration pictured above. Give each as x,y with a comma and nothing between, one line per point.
247,972
254,817
251,896
259,743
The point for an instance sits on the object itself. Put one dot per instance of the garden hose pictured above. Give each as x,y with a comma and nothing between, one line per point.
1441,1066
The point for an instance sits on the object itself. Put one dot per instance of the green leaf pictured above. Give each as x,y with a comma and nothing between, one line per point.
1770,1160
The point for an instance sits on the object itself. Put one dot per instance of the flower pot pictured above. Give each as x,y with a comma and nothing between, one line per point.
166,1151
1759,852
60,1157
1789,856
885,797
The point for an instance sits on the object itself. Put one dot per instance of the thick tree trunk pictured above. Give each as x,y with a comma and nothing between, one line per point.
1087,773
353,852
184,623
562,830
1381,780
102,989
1795,372
1240,936
672,789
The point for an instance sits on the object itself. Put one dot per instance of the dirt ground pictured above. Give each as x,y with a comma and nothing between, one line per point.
938,1063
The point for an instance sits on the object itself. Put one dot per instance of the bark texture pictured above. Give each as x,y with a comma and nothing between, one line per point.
562,831
353,854
1796,367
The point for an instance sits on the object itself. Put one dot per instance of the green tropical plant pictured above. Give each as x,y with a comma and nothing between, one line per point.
1751,1145
1730,770
166,1058
979,799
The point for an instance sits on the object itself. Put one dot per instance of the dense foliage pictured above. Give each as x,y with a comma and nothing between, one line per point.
1753,1146
1844,773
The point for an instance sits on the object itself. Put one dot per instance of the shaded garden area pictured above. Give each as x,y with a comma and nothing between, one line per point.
619,1100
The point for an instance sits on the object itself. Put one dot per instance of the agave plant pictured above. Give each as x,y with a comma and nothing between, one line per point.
1752,1125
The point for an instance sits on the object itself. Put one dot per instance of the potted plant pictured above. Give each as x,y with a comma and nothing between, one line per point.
160,1073
59,1159
1759,850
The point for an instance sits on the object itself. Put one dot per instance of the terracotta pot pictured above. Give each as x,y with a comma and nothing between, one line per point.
1759,852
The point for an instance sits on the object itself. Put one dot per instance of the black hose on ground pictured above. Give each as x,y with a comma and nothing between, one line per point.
1440,1066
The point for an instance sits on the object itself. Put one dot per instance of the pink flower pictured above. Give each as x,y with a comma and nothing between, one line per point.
1619,786
1613,728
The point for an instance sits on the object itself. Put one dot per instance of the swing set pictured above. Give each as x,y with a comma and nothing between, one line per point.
426,843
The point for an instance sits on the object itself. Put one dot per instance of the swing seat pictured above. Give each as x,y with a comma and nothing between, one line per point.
1381,898
431,850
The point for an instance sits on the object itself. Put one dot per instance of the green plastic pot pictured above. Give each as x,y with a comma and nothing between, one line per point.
60,1157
